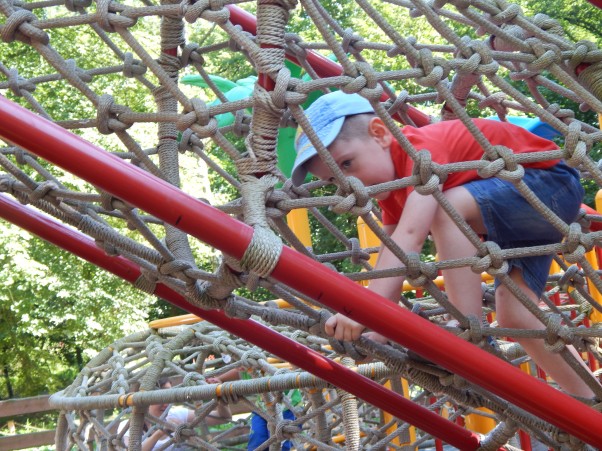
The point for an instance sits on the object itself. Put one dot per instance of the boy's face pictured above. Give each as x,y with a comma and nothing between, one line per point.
158,409
367,159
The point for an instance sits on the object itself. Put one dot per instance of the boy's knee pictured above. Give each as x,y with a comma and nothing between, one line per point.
464,204
441,221
511,313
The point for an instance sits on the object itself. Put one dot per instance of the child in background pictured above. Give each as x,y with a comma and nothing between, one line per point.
258,425
362,146
176,415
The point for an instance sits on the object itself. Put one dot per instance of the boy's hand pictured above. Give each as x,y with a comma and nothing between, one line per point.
375,336
343,328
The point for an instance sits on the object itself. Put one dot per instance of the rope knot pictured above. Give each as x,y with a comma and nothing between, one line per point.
575,150
558,335
365,83
350,39
197,293
285,429
20,25
292,41
75,5
107,117
131,67
211,10
358,255
251,358
502,164
572,277
452,380
191,53
545,56
18,84
357,202
487,65
221,343
576,243
174,267
475,330
434,69
181,432
232,310
399,105
506,15
561,113
318,326
494,101
429,174
548,24
42,190
419,273
193,379
491,260
108,20
77,71
197,117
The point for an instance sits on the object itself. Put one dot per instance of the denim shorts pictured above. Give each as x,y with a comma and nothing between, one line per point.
512,222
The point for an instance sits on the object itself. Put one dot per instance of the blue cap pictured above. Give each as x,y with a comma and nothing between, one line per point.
326,116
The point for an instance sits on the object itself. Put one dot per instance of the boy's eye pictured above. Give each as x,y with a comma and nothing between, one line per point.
346,164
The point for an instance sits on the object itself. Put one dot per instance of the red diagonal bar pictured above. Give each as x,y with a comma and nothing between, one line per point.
165,201
81,245
322,65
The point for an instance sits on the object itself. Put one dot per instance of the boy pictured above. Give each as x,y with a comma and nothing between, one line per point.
363,147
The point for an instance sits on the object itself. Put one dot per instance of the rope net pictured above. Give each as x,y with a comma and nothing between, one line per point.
128,99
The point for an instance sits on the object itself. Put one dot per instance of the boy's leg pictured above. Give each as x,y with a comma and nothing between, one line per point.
463,288
511,313
462,285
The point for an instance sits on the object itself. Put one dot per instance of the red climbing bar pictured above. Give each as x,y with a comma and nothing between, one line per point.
322,65
165,201
84,247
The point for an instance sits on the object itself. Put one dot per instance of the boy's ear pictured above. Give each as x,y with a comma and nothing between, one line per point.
379,131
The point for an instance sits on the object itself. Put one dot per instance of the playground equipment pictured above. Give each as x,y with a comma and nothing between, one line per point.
454,371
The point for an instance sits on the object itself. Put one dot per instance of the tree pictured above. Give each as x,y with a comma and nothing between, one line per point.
57,311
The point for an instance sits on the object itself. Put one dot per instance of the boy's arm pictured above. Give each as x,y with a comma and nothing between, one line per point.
230,375
409,234
220,415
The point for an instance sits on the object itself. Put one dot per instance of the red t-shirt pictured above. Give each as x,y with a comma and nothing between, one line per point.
451,142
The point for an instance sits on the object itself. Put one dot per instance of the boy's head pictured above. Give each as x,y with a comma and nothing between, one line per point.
357,139
326,116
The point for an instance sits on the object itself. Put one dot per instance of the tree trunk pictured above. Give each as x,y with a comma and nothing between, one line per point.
9,387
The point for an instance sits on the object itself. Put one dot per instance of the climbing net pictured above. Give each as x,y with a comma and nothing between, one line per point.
326,416
502,61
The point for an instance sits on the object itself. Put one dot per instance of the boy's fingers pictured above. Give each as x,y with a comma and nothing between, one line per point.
330,325
343,328
375,336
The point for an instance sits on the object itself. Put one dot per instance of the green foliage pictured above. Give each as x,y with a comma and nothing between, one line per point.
56,312
580,20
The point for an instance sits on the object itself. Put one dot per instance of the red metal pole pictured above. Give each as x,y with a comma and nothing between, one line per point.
139,188
81,245
322,65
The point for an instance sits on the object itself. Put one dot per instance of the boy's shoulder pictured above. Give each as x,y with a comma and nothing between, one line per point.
455,128
457,123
